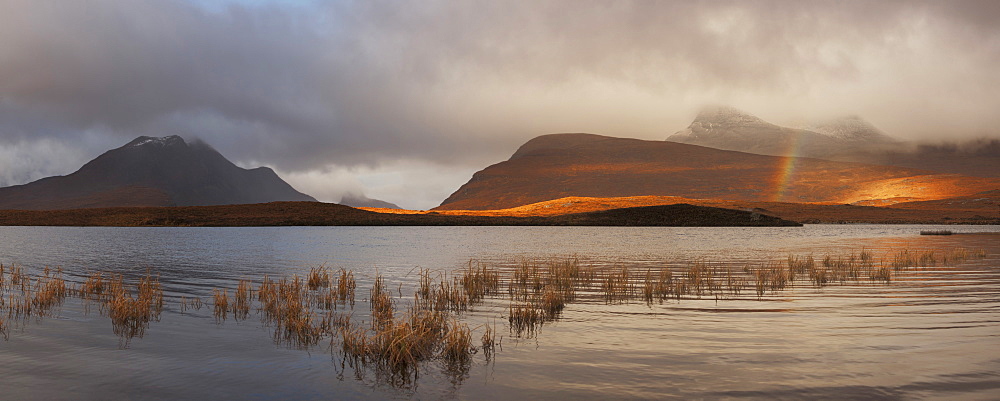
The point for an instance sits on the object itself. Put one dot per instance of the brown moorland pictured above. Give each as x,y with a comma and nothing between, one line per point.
983,208
562,165
328,214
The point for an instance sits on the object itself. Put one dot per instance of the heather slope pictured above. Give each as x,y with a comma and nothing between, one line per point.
563,165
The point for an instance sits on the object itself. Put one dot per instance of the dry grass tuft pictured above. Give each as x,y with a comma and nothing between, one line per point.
220,304
94,288
524,319
243,298
489,341
130,315
319,277
479,281
616,286
381,304
346,286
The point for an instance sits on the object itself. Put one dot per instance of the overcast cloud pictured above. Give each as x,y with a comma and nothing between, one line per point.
404,101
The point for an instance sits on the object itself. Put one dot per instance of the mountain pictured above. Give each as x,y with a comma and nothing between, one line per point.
353,200
562,165
727,128
852,129
153,172
848,139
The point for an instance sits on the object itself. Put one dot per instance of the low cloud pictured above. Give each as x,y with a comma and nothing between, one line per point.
25,161
411,184
336,90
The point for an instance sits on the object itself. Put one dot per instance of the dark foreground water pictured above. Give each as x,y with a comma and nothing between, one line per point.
933,332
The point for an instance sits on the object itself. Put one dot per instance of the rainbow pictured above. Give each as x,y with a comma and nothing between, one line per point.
786,168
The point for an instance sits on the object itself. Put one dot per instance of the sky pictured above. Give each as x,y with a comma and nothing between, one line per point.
404,101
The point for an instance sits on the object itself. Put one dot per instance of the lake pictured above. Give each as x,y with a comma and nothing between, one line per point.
932,332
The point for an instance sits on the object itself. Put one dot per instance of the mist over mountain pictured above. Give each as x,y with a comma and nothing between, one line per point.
150,171
851,129
355,200
849,139
727,128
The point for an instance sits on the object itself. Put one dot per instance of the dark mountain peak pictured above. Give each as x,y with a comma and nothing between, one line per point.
154,171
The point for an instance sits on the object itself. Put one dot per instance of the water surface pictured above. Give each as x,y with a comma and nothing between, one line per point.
932,333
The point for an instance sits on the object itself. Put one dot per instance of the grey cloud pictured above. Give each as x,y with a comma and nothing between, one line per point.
366,83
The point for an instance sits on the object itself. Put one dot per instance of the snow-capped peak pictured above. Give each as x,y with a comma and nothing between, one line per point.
154,141
725,115
850,128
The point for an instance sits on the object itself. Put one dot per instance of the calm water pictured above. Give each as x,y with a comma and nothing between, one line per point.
932,333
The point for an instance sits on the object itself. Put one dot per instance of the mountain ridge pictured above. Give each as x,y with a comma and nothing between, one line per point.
587,165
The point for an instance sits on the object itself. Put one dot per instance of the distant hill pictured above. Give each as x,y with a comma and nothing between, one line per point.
153,172
562,165
850,139
353,200
328,214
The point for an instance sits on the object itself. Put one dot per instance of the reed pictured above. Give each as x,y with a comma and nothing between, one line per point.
242,301
479,281
927,258
799,265
523,319
881,273
346,286
220,304
381,304
319,277
299,328
94,287
49,292
902,260
735,283
354,342
130,315
326,299
17,276
19,308
447,295
566,275
526,280
648,288
397,348
425,283
489,341
457,346
697,274
616,286
551,303
286,305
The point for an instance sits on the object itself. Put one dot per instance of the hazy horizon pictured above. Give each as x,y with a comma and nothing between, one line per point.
404,101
